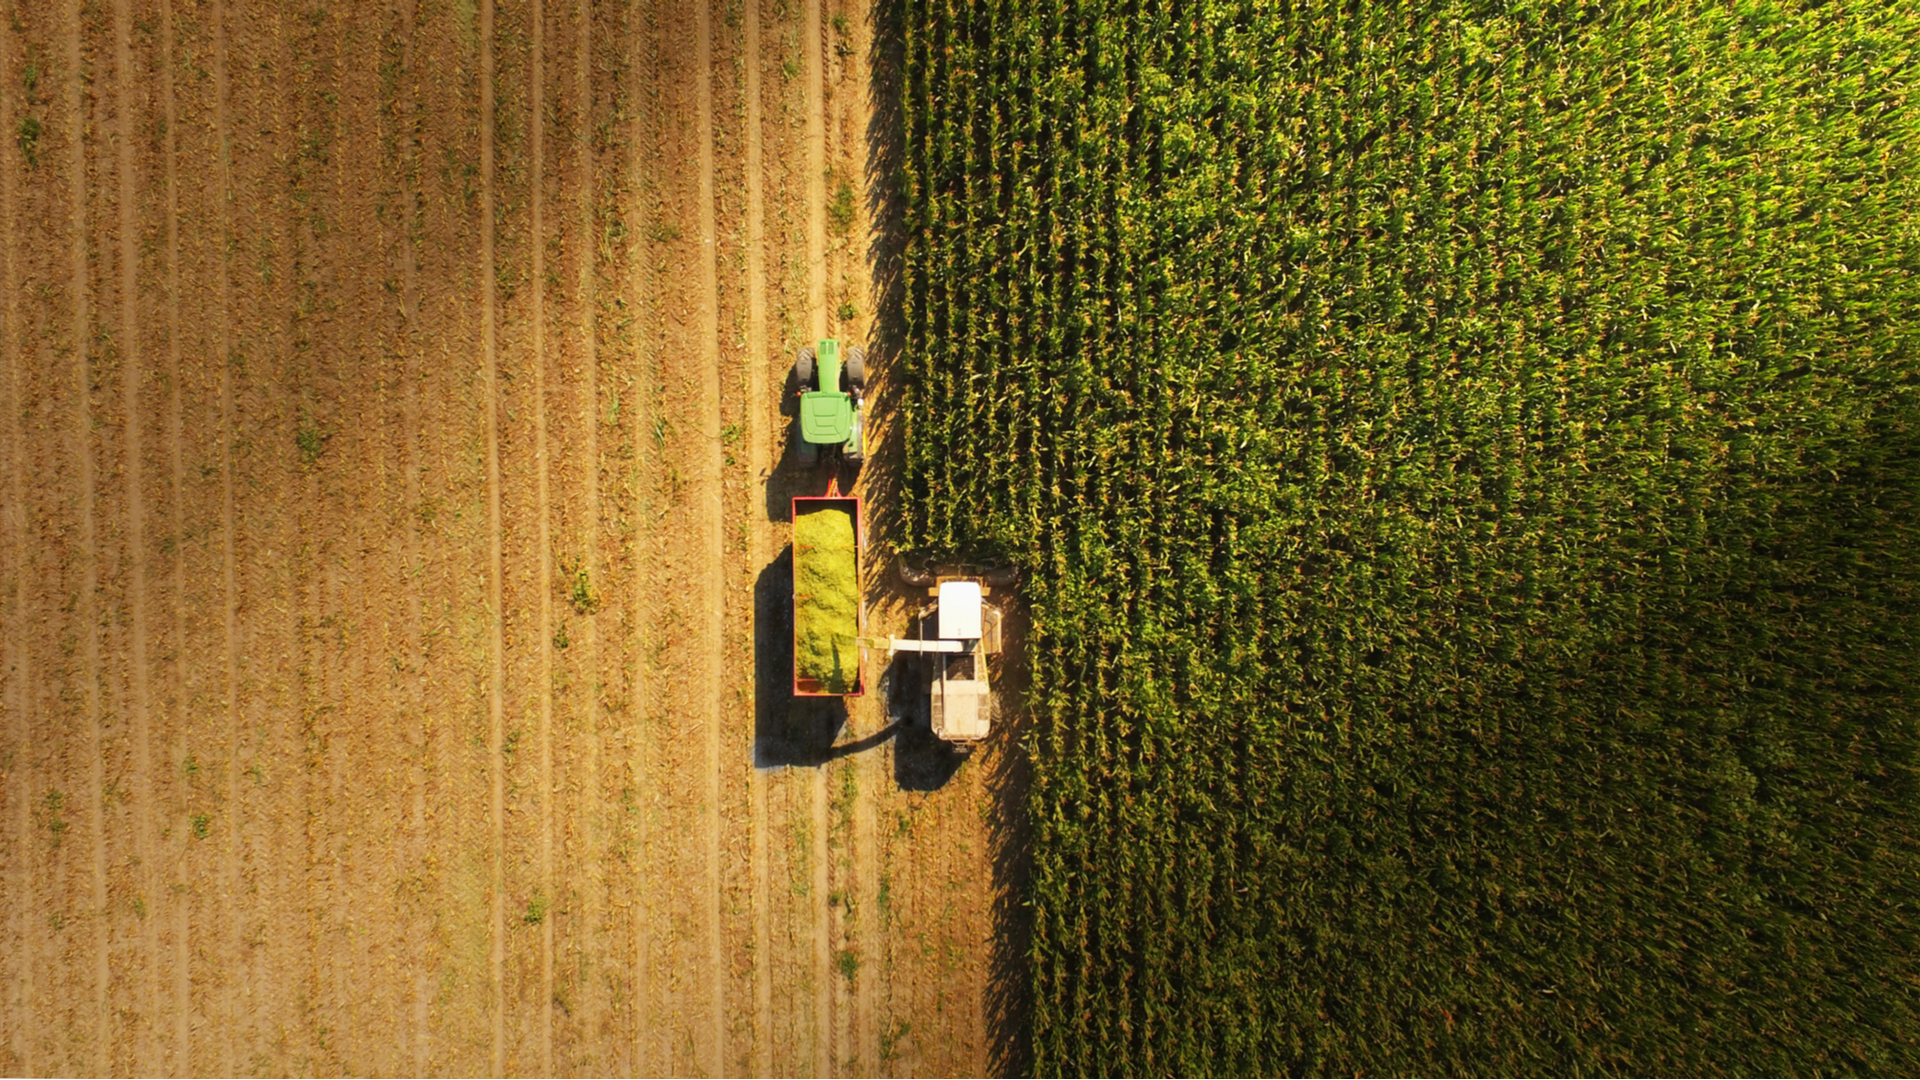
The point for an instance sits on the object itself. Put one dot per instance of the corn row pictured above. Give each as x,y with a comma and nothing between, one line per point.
1463,460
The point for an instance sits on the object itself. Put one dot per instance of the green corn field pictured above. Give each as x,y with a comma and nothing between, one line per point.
1465,459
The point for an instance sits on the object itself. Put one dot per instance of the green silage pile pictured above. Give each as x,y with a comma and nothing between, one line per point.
826,590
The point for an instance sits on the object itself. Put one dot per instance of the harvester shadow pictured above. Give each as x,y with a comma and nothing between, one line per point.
921,761
1008,779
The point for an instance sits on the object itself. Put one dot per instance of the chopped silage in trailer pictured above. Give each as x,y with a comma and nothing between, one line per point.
826,600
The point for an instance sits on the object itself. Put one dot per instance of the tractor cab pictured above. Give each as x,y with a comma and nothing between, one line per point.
830,384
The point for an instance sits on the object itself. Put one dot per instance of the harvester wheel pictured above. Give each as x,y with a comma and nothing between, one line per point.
803,369
1000,576
915,576
857,368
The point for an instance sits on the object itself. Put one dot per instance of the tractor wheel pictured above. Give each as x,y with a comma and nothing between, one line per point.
857,368
803,369
852,454
805,454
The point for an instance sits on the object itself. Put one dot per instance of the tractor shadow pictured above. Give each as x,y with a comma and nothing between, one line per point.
787,477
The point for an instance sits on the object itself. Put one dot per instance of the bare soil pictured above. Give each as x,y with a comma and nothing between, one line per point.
394,596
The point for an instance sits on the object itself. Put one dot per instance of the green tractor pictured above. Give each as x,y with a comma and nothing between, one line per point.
830,385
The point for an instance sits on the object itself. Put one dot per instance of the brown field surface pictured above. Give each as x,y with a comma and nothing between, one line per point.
393,581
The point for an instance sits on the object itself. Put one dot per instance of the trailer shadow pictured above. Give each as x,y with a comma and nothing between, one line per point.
786,730
797,732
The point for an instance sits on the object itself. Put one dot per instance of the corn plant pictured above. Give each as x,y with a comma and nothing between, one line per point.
1464,457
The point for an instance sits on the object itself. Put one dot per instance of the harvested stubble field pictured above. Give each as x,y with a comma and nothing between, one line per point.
391,575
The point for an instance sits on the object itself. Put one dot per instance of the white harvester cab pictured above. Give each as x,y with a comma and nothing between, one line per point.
962,704
965,631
